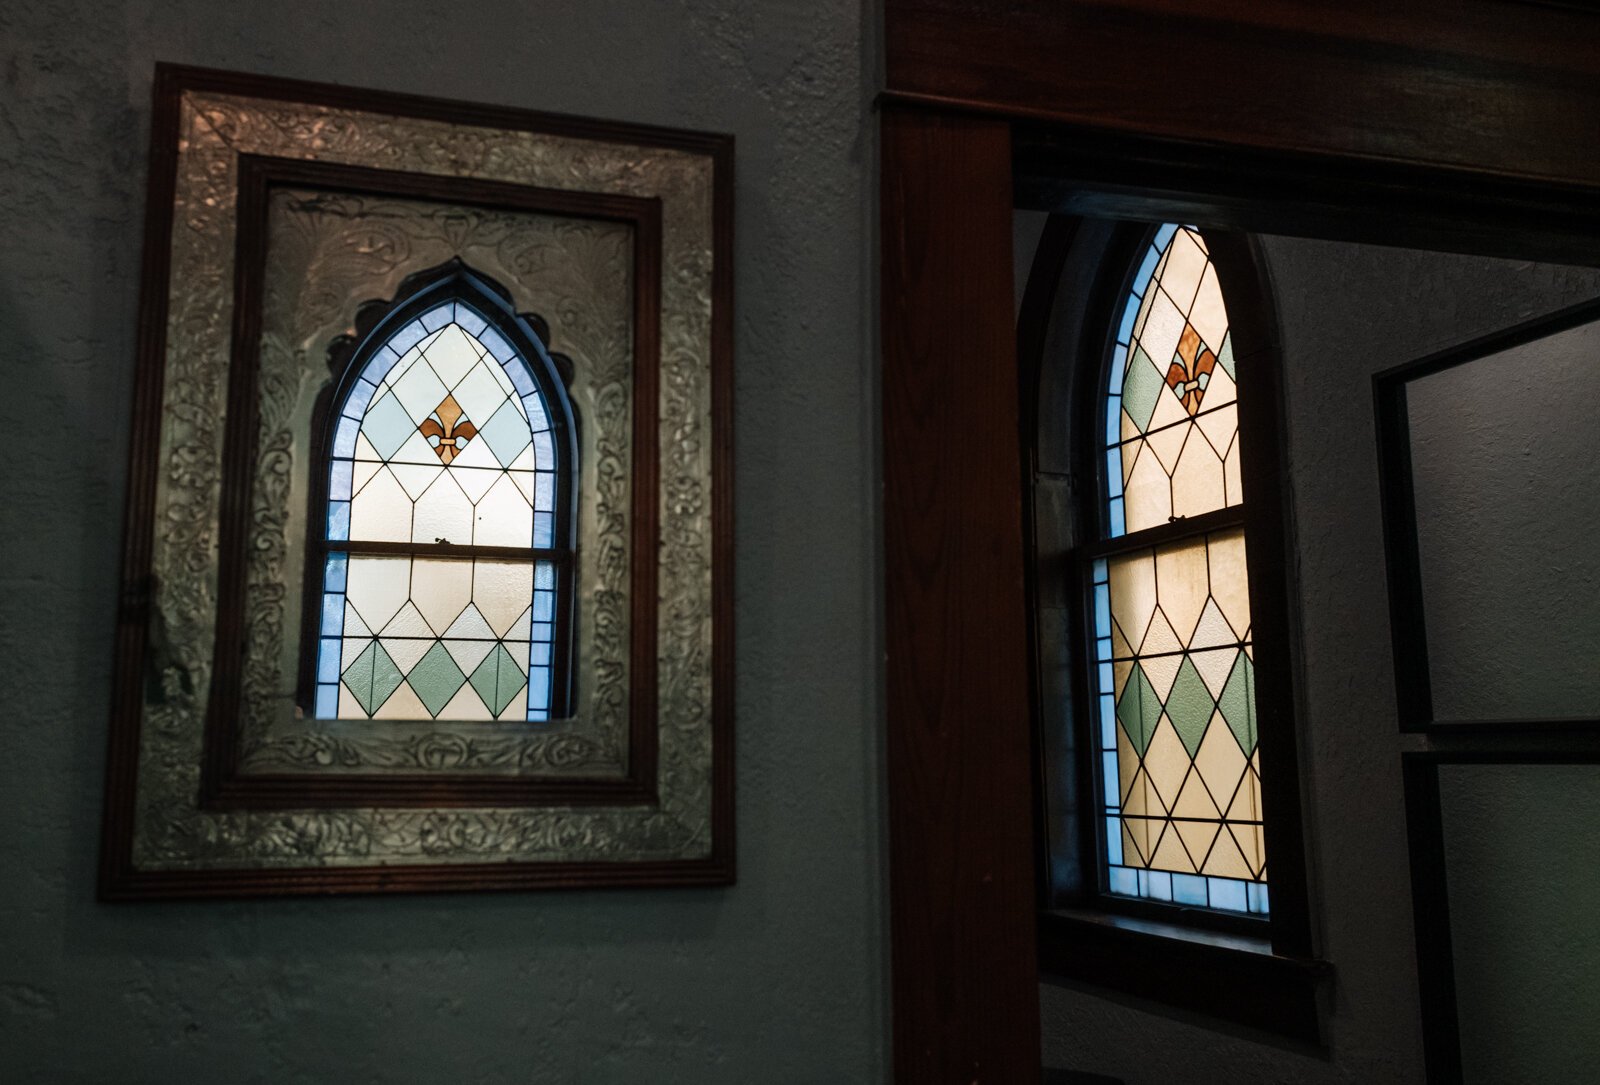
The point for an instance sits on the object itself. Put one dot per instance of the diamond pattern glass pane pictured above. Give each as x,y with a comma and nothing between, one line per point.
1171,416
445,438
1180,768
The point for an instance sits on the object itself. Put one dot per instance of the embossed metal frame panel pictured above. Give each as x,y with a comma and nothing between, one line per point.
278,210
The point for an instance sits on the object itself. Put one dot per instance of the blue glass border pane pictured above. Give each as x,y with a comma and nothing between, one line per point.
1124,881
1114,841
469,319
327,707
1228,894
1189,889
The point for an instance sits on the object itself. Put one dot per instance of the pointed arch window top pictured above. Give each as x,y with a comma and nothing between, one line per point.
1171,417
448,534
446,397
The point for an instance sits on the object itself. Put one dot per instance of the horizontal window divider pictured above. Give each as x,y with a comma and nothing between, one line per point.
1172,531
1225,646
1116,812
446,550
1187,420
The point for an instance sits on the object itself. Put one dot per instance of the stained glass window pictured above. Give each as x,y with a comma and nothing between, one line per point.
1174,675
446,547
1172,425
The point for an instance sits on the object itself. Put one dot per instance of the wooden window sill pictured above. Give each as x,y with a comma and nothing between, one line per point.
1229,977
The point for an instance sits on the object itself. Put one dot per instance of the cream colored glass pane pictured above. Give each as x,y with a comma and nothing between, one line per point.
503,517
465,705
1209,316
416,450
1170,853
408,622
1166,763
1162,331
1186,262
443,514
403,704
1182,581
1133,593
1220,390
415,478
1169,410
1197,483
474,481
381,512
479,394
1130,454
420,391
1219,425
501,590
441,590
1230,579
1148,497
378,587
1225,860
1230,475
1168,443
452,355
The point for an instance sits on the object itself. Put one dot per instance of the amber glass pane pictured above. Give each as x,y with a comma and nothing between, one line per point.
1171,422
1180,766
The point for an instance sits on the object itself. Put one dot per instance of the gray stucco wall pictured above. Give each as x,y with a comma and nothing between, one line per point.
1346,311
1522,847
778,979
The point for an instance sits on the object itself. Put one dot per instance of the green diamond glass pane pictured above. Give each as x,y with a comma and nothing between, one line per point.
436,678
386,677
1141,387
1139,710
358,677
1189,706
1238,703
497,679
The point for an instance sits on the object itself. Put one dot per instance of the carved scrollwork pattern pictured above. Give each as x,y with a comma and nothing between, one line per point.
329,252
171,832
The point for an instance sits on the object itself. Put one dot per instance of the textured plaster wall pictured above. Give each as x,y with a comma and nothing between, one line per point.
779,979
1508,517
1522,848
1346,311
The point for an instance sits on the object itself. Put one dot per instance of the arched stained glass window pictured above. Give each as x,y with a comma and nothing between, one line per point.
1180,772
447,534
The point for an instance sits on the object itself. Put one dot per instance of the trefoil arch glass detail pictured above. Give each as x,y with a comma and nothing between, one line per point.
1179,765
447,533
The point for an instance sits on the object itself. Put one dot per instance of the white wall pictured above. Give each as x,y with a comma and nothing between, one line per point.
1346,311
778,979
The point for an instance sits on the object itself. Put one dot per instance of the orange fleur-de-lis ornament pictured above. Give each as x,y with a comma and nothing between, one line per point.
447,429
1191,370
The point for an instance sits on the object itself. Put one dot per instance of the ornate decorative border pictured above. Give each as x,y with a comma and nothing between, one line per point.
160,840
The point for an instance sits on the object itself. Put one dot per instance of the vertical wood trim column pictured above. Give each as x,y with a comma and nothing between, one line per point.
965,972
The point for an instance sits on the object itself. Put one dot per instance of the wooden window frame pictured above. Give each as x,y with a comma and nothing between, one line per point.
1260,972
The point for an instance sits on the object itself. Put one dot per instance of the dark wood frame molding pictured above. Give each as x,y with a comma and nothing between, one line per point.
1403,558
1387,128
120,879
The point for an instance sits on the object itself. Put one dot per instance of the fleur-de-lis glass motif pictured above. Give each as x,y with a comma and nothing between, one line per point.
1191,369
448,429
